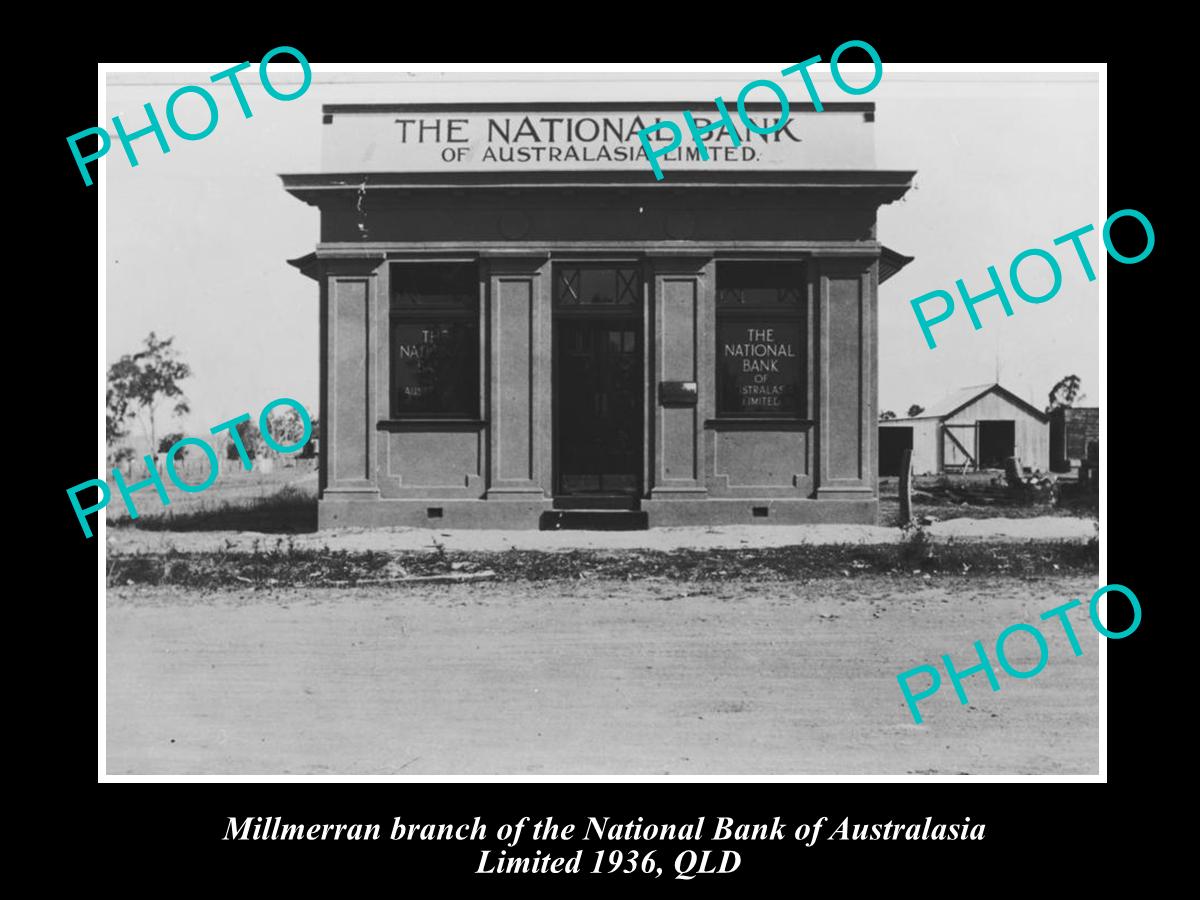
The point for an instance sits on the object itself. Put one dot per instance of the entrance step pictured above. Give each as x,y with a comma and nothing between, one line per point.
594,520
596,501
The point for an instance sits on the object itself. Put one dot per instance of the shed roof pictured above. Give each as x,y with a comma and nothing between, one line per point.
963,397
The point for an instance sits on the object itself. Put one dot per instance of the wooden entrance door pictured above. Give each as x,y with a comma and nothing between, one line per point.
598,406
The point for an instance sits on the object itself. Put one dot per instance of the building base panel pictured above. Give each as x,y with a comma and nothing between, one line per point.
500,514
532,514
761,512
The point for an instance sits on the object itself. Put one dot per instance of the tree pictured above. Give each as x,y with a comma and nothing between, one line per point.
1065,393
114,421
119,456
886,414
286,426
251,438
139,383
310,449
915,410
169,441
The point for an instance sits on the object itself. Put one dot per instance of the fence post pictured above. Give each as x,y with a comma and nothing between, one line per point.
906,488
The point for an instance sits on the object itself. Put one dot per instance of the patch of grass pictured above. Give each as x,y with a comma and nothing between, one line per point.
283,565
288,511
266,565
889,511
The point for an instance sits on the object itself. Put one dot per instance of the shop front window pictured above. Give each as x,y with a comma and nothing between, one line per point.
434,340
762,341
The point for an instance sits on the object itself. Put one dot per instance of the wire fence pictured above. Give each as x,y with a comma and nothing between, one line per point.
194,468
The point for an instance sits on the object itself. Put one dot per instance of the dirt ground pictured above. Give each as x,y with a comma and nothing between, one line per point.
651,677
699,537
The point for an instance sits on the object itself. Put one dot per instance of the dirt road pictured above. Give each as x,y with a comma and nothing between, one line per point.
641,677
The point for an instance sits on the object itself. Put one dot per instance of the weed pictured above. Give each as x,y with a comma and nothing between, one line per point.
440,555
291,566
916,549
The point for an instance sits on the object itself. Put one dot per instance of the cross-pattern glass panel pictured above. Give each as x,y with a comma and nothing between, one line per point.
627,286
568,287
592,286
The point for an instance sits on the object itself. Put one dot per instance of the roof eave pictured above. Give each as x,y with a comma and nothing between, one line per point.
891,262
886,186
307,265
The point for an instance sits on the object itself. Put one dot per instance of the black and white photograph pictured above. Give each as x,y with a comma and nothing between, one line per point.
572,423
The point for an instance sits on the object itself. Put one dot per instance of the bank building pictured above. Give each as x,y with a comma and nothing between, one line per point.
520,327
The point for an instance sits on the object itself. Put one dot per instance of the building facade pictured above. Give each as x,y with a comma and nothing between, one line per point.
976,427
518,320
1074,437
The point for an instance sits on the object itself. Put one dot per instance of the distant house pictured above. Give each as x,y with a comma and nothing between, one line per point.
974,428
1074,437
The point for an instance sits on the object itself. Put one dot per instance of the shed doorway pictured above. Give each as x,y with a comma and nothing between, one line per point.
893,441
997,442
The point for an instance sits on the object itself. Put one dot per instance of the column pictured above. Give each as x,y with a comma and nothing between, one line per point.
348,395
518,367
682,335
847,387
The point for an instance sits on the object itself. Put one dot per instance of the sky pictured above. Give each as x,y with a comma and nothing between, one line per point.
197,240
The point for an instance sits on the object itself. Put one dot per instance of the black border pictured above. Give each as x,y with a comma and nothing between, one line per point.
178,826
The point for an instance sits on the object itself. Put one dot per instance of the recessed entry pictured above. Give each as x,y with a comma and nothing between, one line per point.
433,512
760,512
